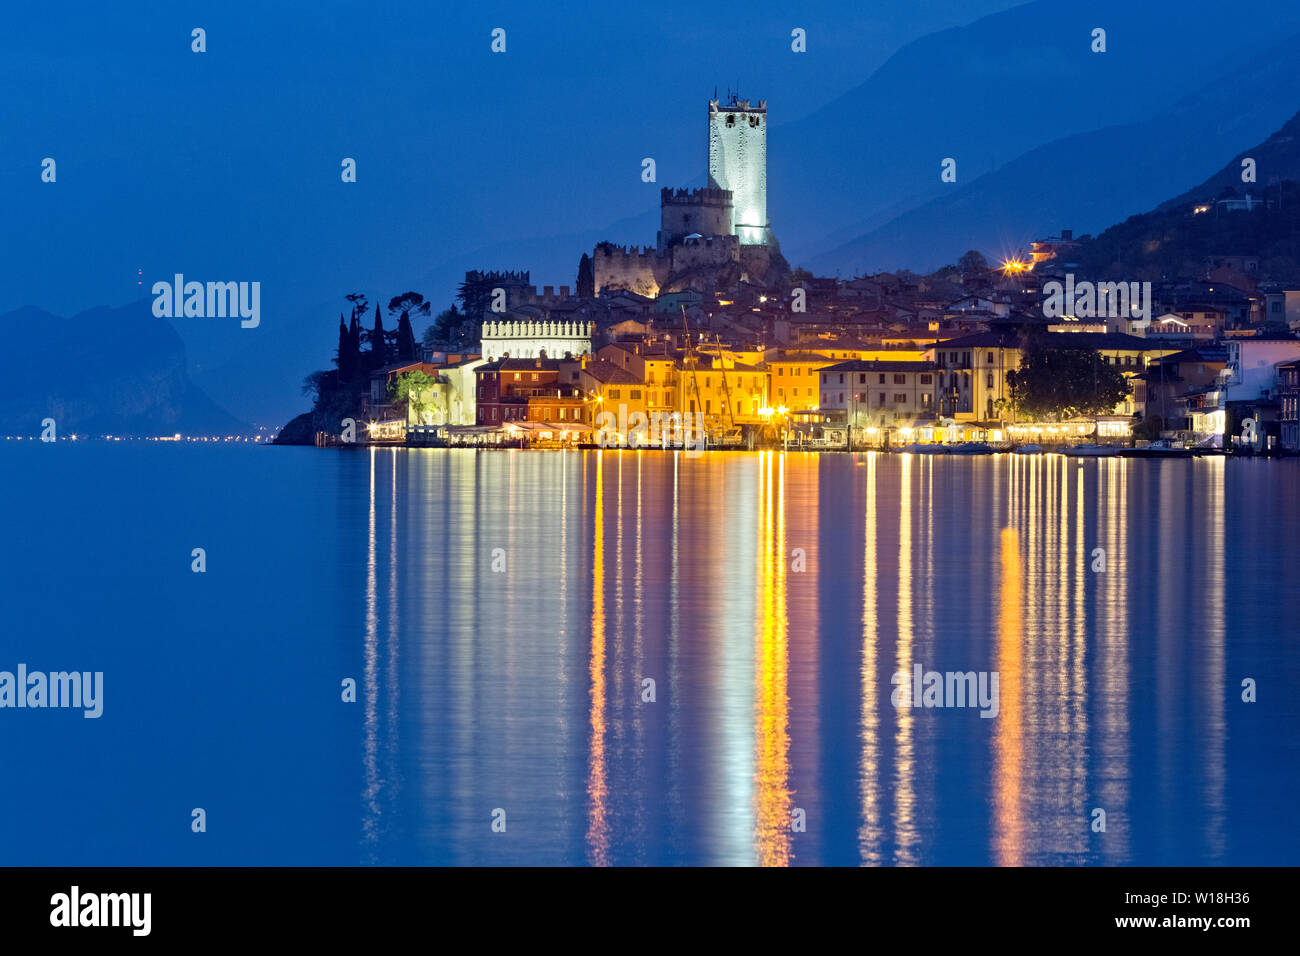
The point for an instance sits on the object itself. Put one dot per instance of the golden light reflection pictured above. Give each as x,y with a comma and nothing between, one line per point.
597,786
370,758
1008,742
772,797
870,833
1111,609
906,835
1212,704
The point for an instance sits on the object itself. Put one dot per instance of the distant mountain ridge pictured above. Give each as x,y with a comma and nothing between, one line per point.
103,371
1086,181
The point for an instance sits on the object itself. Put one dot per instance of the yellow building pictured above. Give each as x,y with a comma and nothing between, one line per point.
971,371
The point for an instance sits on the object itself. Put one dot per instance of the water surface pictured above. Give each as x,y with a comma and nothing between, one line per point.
502,612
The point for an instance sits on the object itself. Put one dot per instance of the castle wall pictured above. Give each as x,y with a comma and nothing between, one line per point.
718,251
638,270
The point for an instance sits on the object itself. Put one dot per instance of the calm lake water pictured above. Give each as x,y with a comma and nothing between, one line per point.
769,597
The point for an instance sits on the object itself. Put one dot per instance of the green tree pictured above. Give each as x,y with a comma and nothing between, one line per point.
410,387
1059,383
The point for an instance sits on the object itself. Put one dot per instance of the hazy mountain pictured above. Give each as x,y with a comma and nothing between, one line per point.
271,209
1171,240
1090,180
104,371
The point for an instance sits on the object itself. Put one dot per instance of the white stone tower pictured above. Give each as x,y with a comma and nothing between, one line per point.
738,162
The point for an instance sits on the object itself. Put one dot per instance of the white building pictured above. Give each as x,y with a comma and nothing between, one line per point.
535,339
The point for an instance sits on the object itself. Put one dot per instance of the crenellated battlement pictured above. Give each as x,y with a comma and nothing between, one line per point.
612,250
704,196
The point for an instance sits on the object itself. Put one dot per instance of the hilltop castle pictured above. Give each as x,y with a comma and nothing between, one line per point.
711,237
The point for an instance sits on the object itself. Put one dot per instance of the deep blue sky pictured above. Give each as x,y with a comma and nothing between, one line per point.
226,164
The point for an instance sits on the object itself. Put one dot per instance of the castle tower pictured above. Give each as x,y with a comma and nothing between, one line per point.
738,162
683,212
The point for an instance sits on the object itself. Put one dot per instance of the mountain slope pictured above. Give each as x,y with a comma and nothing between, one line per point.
103,371
1086,181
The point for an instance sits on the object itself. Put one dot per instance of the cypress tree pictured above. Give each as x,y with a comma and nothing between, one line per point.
343,359
586,278
378,348
405,338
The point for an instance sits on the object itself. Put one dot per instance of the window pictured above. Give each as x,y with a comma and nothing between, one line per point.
862,379
841,378
900,379
823,398
927,379
880,399
990,355
635,394
926,400
615,392
841,398
517,376
882,379
900,398
988,380
546,414
534,376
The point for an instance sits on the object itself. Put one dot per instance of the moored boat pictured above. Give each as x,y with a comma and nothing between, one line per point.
1161,448
973,448
1091,451
1027,450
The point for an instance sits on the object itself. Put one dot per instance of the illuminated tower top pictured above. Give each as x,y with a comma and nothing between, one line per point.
738,162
